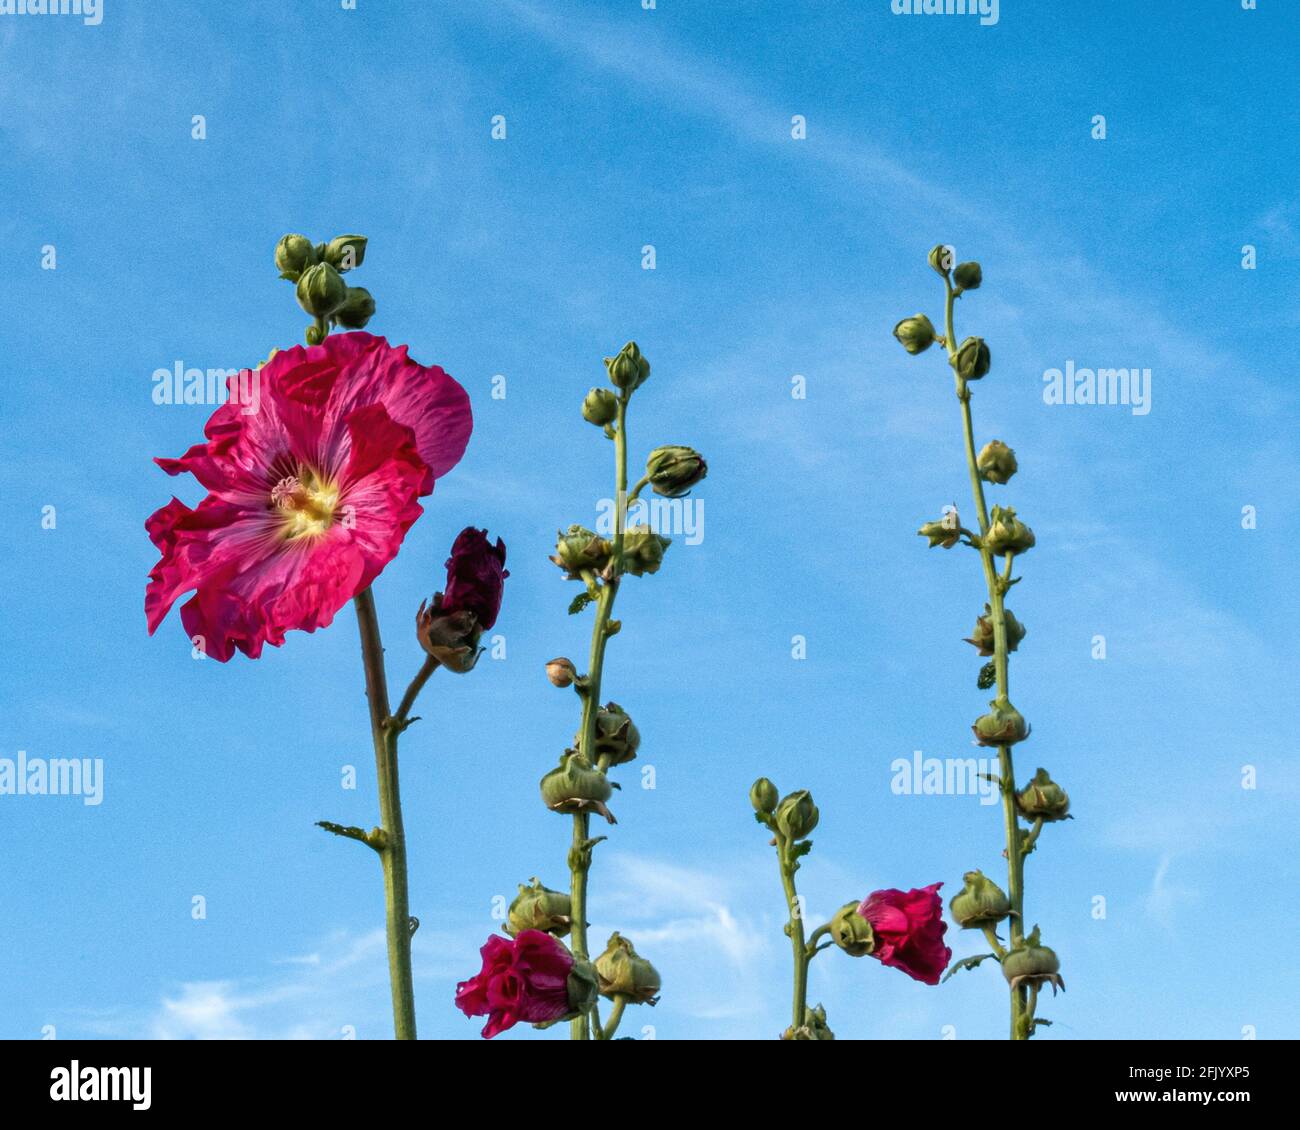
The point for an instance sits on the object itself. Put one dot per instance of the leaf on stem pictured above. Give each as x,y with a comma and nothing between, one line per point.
968,963
579,602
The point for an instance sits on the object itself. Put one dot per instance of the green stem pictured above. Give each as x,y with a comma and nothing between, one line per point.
798,944
616,1014
413,691
1015,859
580,849
393,852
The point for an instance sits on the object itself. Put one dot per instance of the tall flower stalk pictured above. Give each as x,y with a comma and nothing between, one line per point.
314,466
581,785
1026,964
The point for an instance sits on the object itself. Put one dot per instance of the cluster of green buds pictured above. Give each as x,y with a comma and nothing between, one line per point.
814,1027
317,270
1002,537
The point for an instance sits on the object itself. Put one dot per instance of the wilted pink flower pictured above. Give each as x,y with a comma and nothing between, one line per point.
476,574
909,930
309,496
523,979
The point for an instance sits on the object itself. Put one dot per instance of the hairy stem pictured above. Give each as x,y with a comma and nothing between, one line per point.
580,851
798,944
393,852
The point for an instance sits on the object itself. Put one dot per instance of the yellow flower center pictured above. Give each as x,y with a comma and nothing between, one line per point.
306,504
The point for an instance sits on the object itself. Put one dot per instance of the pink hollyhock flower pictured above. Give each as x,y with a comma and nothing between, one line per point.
476,575
309,496
524,979
909,930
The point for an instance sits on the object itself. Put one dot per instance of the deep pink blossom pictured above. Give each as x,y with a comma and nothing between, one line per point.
309,495
476,574
909,930
524,979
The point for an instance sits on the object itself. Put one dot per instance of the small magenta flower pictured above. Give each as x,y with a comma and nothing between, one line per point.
476,573
450,628
311,490
909,929
532,979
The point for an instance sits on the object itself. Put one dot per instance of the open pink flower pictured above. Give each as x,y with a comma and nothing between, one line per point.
309,495
523,979
909,930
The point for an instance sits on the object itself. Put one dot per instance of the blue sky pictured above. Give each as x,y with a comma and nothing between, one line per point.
774,257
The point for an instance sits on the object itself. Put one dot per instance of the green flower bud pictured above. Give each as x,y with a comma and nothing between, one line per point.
345,252
561,672
616,735
576,786
941,259
624,972
968,276
945,532
293,255
851,932
814,1027
996,462
578,549
583,987
1043,799
1032,963
1007,533
981,902
643,550
600,407
915,334
673,470
629,369
321,290
1003,725
539,908
972,360
982,638
796,815
763,796
356,311
315,335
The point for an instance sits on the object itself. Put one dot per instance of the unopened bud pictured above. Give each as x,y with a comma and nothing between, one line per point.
1007,533
561,672
982,637
600,407
997,462
981,902
972,360
941,259
321,290
796,815
293,255
576,787
539,908
628,370
1003,725
356,311
625,973
346,252
1043,799
643,550
763,796
851,932
674,469
968,276
915,334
